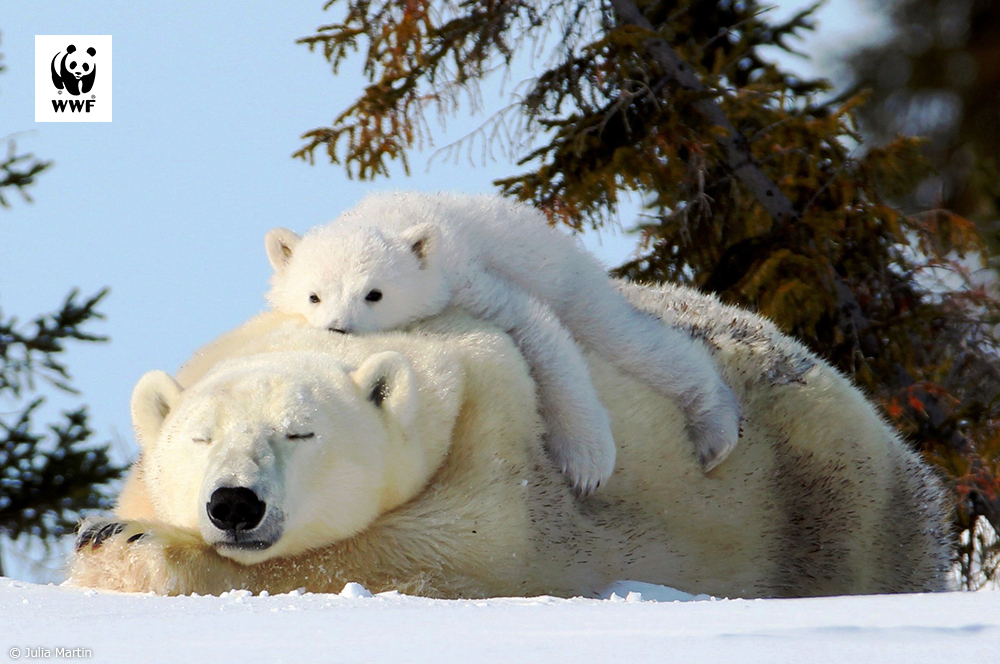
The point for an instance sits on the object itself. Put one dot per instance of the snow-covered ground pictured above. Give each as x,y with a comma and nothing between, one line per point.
640,623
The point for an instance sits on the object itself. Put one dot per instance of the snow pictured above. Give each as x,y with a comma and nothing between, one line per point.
636,623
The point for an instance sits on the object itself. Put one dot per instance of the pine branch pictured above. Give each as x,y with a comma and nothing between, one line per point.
19,171
734,144
48,481
23,353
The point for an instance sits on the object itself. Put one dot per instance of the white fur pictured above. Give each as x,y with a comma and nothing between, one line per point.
820,497
232,429
500,261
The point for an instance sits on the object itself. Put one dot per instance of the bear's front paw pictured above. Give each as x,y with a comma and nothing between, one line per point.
94,532
129,556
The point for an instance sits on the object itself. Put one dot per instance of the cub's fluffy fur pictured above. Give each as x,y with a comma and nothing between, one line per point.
398,258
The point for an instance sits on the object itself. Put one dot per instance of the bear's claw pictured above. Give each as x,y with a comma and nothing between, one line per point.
104,533
88,531
96,532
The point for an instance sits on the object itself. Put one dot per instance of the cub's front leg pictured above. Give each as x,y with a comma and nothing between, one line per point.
580,438
143,556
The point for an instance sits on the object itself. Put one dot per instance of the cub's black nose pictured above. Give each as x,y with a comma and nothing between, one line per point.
235,509
337,330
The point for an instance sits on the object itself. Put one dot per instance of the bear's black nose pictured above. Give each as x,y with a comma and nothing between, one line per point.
235,509
337,330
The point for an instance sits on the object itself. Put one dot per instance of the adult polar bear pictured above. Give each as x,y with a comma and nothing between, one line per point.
819,498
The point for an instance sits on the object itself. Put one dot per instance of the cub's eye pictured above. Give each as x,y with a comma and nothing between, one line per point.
314,298
201,440
374,295
299,436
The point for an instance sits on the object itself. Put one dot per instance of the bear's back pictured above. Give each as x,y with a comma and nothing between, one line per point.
820,497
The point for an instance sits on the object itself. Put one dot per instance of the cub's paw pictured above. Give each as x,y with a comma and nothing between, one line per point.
714,426
586,456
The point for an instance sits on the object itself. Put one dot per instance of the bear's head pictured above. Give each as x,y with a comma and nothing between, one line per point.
356,279
275,454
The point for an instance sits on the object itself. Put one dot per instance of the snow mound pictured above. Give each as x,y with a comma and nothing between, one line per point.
636,623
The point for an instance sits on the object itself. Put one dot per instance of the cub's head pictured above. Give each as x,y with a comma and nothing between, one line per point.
275,454
357,279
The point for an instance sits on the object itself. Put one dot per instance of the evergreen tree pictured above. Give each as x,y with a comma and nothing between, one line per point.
755,186
937,75
47,479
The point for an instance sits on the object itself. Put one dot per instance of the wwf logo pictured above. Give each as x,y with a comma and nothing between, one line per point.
68,87
74,70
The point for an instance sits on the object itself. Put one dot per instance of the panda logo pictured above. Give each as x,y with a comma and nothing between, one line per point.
74,70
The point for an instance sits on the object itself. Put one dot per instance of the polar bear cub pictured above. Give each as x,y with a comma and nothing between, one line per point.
402,257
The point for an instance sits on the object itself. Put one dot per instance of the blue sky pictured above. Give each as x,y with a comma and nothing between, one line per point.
169,203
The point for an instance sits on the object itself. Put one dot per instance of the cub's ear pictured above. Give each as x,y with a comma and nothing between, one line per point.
280,243
92,51
154,396
424,240
387,380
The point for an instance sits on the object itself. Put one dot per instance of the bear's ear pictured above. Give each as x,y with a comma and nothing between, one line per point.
92,51
280,243
154,396
387,380
424,240
71,48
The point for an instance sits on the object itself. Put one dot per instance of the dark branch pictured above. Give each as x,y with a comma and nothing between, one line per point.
19,171
734,145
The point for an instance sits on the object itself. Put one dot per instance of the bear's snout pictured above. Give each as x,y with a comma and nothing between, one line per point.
235,509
